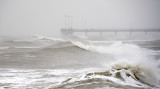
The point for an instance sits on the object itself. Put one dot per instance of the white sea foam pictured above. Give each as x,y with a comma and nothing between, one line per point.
130,65
18,78
131,55
39,78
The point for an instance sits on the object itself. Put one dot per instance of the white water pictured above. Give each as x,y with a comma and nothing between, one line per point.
136,66
128,56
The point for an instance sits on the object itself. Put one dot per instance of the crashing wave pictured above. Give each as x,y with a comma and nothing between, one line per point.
132,67
122,75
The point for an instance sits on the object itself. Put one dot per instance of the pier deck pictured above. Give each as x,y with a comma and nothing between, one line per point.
69,32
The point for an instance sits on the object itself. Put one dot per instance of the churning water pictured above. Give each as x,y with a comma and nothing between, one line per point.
48,63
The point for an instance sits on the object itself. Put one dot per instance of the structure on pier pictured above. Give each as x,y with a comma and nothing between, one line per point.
70,32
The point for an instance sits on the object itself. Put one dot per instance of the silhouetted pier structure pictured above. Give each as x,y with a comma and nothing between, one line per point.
70,32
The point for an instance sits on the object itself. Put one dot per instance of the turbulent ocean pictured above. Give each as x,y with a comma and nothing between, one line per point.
49,63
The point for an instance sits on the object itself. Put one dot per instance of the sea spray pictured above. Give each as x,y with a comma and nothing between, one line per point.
78,64
128,56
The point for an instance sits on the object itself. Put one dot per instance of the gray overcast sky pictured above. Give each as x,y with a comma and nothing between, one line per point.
46,17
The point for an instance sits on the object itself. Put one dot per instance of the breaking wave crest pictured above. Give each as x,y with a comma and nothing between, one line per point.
131,67
121,75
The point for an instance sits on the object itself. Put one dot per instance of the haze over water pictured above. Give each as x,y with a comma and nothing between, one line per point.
34,54
47,17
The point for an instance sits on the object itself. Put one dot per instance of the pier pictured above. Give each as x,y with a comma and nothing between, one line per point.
70,32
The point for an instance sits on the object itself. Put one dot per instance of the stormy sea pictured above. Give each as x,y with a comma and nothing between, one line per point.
50,63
